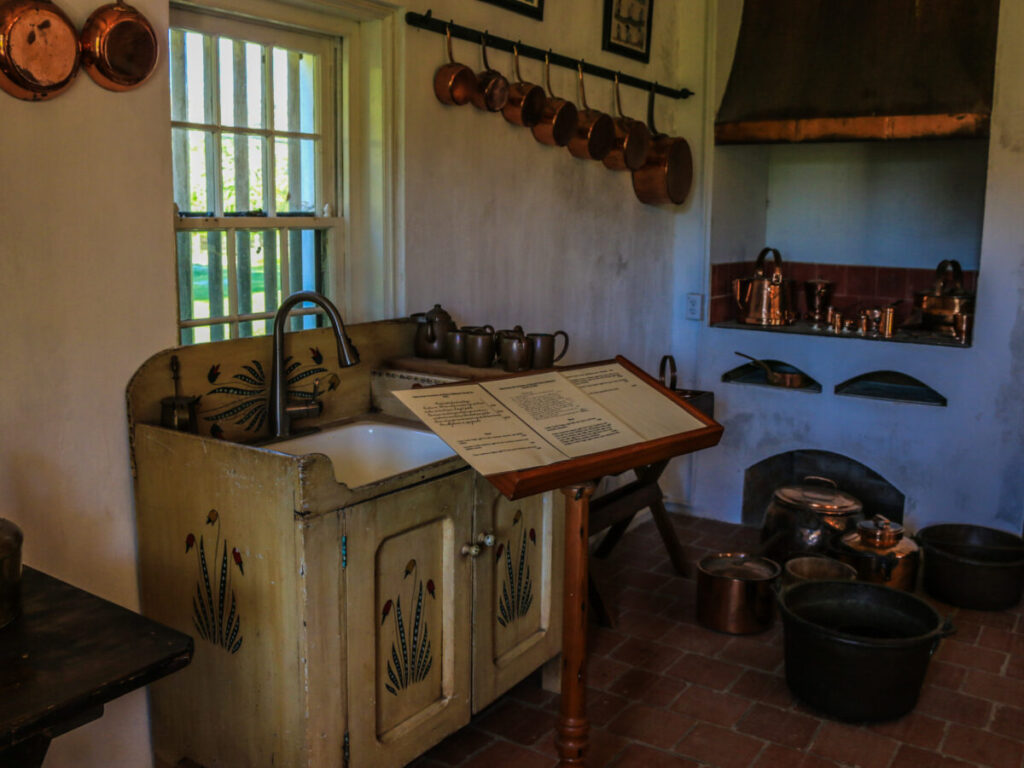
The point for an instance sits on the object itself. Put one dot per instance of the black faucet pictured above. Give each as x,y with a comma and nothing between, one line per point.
281,411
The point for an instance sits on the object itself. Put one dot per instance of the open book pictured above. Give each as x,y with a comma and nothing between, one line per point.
536,420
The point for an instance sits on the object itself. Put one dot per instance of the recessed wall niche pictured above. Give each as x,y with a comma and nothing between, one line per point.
878,217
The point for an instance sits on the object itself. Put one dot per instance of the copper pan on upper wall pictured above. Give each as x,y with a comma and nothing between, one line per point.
119,47
667,174
38,49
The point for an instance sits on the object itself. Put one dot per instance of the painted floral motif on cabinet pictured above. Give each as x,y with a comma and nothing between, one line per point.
215,616
241,401
411,658
513,564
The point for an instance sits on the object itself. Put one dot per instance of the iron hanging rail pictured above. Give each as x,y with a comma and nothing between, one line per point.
428,22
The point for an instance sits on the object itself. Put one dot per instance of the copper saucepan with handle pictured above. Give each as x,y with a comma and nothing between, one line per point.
454,83
525,100
39,52
632,140
667,173
491,92
781,376
557,122
119,47
595,132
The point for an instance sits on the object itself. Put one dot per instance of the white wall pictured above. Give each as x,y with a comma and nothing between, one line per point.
86,294
498,228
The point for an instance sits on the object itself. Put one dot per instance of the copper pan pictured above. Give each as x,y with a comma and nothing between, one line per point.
454,83
525,100
667,174
558,118
119,47
491,92
595,132
632,140
38,49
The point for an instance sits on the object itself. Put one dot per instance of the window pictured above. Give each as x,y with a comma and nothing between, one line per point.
259,133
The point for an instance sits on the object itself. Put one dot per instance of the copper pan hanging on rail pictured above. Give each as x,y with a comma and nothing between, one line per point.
38,49
119,47
667,174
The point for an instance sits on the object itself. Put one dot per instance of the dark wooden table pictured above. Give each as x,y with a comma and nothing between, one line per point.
65,656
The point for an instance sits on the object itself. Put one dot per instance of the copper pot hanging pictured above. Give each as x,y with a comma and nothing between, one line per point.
558,118
119,47
595,133
491,92
454,83
667,173
38,49
525,100
632,140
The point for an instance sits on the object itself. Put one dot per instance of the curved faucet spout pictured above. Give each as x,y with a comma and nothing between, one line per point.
281,413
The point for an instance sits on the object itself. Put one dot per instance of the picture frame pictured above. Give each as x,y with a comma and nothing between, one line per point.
627,28
532,8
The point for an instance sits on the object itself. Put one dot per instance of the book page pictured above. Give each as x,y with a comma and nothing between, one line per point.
564,416
626,395
479,428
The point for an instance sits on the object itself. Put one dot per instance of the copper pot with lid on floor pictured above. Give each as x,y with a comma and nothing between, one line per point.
881,553
736,592
804,518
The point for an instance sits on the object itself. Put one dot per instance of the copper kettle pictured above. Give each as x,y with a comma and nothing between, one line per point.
432,331
766,298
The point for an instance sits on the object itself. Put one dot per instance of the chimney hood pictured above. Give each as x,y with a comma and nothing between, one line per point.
840,70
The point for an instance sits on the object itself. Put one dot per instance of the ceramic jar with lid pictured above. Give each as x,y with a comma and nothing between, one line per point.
881,554
432,332
10,571
806,518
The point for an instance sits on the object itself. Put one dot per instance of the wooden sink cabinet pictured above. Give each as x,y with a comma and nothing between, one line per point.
333,626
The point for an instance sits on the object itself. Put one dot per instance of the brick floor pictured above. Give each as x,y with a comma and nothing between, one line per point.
665,692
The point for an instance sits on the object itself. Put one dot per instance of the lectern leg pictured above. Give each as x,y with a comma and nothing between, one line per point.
571,738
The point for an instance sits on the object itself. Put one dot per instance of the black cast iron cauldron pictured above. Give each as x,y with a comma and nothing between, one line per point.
972,566
857,651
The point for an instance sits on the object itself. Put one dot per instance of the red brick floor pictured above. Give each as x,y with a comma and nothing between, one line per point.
664,692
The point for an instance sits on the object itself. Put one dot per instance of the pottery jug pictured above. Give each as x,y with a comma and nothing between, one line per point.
432,331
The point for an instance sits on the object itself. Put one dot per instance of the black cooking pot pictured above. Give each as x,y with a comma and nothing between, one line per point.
972,566
857,651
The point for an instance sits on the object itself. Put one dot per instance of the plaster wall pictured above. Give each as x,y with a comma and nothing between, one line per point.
960,463
498,228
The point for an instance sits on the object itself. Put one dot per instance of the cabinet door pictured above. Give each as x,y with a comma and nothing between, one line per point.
517,590
408,622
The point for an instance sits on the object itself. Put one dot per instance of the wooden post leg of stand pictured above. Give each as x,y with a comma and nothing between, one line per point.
571,737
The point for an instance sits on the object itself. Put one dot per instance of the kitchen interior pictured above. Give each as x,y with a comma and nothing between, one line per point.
918,416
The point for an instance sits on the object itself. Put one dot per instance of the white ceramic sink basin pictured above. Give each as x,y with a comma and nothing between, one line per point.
367,451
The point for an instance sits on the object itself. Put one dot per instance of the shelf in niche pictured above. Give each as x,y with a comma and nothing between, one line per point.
890,385
905,335
752,373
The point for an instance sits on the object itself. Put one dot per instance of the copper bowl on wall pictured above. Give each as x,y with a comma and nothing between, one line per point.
38,49
119,47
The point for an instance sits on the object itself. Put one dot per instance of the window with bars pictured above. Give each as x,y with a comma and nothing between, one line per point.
255,153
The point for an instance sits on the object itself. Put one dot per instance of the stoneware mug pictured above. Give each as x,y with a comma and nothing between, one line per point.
455,347
515,353
480,349
542,348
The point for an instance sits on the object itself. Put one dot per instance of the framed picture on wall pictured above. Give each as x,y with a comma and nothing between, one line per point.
532,8
627,28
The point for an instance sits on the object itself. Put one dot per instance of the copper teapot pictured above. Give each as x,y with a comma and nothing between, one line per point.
432,331
766,298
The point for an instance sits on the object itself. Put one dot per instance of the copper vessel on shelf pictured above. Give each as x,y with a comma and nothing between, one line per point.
765,298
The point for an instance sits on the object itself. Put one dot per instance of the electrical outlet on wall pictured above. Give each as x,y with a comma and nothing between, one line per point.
695,306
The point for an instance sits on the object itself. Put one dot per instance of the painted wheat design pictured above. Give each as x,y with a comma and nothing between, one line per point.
214,617
517,583
411,658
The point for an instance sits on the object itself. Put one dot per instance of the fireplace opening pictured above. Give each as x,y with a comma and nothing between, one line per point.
878,495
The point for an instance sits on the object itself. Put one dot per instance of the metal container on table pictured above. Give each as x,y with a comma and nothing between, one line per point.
10,571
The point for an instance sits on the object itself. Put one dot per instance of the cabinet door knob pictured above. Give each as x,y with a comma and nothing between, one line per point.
487,539
471,549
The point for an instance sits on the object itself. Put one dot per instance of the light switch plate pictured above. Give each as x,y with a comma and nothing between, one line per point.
695,306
